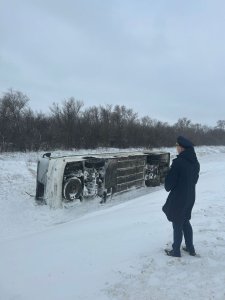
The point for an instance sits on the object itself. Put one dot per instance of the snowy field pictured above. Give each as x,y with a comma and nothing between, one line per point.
113,251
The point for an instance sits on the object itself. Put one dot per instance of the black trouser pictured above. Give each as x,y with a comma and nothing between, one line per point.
180,228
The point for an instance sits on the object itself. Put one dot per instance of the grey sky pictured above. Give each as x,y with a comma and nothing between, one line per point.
163,58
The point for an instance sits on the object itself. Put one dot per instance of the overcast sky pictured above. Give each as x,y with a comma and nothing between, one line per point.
162,58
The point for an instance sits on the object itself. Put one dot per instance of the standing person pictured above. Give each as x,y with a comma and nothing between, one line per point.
180,182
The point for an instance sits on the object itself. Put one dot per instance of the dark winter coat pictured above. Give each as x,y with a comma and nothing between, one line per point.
180,182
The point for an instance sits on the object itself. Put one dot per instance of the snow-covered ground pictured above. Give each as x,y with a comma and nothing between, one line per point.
112,251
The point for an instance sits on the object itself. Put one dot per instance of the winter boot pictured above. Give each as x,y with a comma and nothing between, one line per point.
172,253
191,252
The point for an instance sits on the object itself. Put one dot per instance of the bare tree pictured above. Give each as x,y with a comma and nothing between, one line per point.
221,124
13,106
68,126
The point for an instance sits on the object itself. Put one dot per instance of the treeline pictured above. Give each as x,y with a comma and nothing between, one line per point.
69,125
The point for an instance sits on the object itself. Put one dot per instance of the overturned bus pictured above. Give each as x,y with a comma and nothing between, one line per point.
69,178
